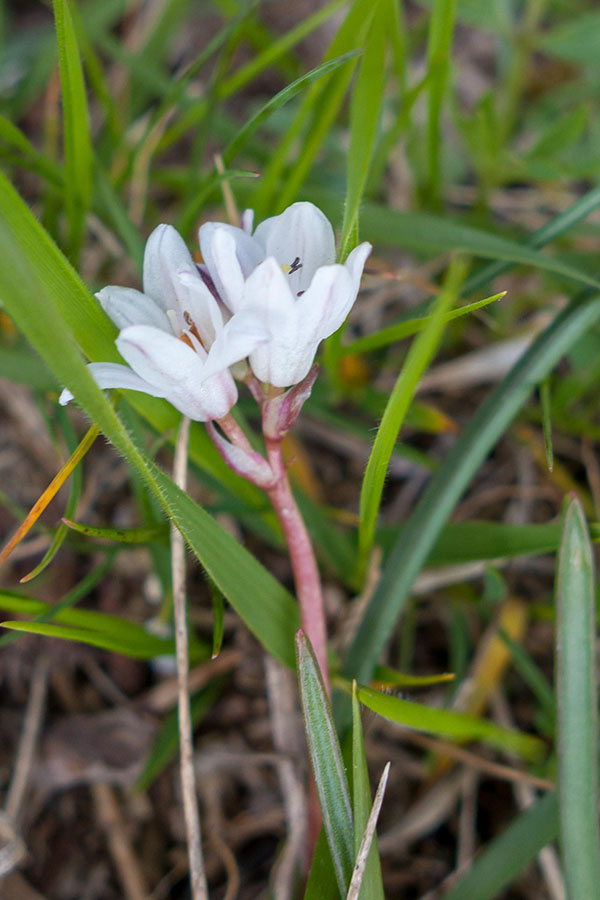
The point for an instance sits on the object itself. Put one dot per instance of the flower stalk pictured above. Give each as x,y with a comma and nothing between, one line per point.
309,592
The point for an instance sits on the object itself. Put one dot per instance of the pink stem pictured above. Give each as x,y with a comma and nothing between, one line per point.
304,564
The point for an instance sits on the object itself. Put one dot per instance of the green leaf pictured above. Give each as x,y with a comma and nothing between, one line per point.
246,73
77,140
506,856
429,234
408,327
576,686
575,40
279,100
314,118
447,723
121,535
322,884
372,884
575,213
146,648
32,279
327,763
365,110
441,27
88,626
418,358
420,533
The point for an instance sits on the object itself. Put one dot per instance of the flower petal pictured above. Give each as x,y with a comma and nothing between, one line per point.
239,337
114,375
171,366
166,255
230,256
201,305
126,306
283,358
300,233
331,295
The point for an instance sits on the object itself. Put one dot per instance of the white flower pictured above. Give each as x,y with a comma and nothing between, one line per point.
166,332
282,280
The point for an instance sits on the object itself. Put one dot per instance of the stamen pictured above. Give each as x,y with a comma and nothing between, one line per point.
295,266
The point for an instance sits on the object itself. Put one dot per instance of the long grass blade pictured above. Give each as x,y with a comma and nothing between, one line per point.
423,528
77,139
576,685
415,364
327,763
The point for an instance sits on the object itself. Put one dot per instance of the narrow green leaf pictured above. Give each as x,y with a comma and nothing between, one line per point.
420,533
327,763
129,638
77,140
95,334
322,101
506,856
122,535
479,540
365,111
372,884
561,223
448,723
415,364
400,679
547,422
429,234
322,884
218,608
441,26
76,481
576,686
246,73
408,327
279,100
146,648
31,298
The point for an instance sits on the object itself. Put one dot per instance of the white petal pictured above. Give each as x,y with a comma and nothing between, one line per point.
326,303
230,255
268,298
202,306
247,221
300,233
239,337
173,367
114,375
331,295
356,260
126,306
166,255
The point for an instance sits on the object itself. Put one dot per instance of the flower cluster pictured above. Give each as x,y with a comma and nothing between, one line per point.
269,297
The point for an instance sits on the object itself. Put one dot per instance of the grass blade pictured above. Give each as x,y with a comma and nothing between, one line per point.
415,364
361,808
418,537
29,285
77,140
408,327
365,112
577,707
507,856
448,723
438,61
360,876
327,763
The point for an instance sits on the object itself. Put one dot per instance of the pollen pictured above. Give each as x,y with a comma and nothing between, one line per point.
289,270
